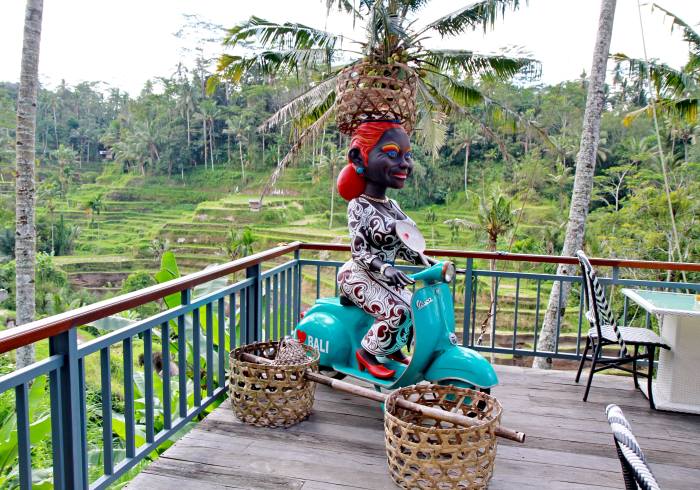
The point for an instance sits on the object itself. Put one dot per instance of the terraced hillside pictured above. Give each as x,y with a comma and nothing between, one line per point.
194,218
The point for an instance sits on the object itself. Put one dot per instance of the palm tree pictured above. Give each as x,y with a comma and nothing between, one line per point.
392,36
65,157
93,207
25,185
333,160
560,178
583,181
495,217
469,134
239,243
209,111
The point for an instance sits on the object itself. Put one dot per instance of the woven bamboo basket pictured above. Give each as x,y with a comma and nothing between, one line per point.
425,453
369,92
271,395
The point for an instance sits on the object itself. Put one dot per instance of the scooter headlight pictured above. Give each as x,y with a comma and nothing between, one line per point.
448,271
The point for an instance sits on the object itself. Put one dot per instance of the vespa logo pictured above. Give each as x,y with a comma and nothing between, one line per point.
422,304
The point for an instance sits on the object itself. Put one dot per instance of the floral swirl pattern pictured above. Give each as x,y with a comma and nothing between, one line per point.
372,237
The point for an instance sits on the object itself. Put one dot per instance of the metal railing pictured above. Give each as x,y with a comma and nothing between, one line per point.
516,333
193,339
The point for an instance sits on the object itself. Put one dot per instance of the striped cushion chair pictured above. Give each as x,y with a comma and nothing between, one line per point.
604,331
635,470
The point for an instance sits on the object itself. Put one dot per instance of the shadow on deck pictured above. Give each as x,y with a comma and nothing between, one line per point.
569,443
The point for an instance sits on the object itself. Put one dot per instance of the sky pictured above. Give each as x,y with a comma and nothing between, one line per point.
124,43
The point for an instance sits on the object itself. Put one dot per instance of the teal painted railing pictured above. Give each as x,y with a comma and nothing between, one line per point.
265,300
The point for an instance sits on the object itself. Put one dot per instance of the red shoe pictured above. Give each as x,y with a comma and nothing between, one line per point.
399,357
375,369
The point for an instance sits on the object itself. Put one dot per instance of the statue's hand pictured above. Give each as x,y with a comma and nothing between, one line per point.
397,278
431,260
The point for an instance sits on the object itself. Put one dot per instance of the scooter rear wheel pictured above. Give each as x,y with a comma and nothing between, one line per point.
331,373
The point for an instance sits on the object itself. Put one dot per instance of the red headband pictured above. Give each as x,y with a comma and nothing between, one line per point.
366,136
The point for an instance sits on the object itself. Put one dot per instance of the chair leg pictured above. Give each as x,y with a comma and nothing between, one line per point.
583,359
596,354
651,350
634,366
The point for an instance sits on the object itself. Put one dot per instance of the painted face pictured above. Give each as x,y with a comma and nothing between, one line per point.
390,162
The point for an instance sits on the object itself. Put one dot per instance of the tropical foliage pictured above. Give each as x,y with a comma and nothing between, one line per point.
675,91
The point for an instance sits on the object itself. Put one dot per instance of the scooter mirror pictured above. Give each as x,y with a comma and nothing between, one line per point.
411,236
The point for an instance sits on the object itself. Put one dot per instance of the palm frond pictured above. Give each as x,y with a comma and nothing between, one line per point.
431,130
478,14
301,104
309,118
308,135
666,80
412,5
469,63
689,34
268,62
687,108
463,94
289,35
347,6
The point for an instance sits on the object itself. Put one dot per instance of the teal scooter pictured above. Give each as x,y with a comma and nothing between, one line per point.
336,330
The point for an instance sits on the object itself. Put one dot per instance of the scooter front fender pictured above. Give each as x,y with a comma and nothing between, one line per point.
460,363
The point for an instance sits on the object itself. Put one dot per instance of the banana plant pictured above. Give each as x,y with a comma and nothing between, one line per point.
394,34
39,431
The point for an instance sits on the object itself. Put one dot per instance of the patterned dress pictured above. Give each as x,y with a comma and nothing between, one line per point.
372,236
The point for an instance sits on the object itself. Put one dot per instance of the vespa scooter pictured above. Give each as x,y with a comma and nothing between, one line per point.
336,329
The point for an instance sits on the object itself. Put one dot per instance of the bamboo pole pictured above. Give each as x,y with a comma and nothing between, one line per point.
431,412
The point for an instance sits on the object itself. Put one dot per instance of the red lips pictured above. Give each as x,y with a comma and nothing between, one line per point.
400,175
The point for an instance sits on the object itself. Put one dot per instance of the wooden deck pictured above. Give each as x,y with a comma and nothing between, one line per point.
568,446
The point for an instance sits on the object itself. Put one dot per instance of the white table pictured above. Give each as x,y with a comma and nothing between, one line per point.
677,384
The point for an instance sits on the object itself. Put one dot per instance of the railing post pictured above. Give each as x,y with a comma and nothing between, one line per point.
254,300
65,399
182,355
467,301
297,289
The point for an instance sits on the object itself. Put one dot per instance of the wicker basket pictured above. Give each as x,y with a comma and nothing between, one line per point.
369,92
425,453
271,395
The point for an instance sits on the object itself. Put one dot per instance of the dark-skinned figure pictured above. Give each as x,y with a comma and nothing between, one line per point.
379,158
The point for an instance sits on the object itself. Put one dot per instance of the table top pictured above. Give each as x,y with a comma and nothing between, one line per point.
664,303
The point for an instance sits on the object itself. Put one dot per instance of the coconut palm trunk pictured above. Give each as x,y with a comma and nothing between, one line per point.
25,245
583,182
467,148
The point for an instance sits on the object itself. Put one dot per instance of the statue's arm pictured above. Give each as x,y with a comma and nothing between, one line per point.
359,243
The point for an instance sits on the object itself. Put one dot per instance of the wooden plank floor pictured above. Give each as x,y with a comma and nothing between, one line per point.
341,446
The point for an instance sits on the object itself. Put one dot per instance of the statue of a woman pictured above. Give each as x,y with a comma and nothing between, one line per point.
379,158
